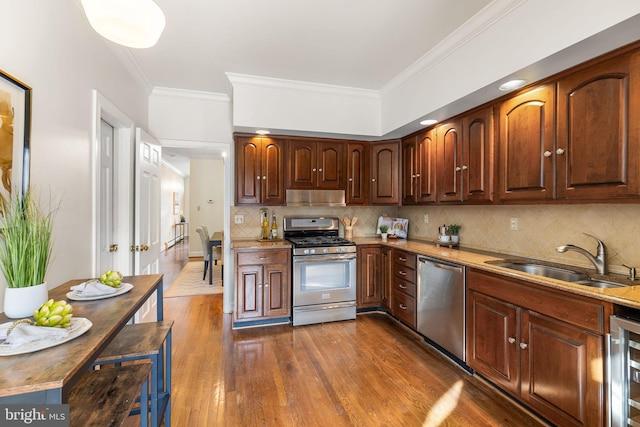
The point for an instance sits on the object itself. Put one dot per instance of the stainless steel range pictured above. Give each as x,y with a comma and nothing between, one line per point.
324,270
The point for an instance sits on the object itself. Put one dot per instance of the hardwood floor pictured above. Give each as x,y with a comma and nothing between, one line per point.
367,372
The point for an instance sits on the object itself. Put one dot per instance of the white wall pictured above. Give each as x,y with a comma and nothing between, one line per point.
171,183
49,46
206,199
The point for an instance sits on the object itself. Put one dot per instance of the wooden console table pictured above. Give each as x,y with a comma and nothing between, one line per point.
46,376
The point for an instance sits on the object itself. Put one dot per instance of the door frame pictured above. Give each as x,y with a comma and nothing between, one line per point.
124,134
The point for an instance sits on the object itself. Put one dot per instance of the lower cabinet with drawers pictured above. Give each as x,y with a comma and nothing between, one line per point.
263,285
403,286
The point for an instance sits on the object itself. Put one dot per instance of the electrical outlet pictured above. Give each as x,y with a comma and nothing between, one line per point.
239,219
514,223
426,218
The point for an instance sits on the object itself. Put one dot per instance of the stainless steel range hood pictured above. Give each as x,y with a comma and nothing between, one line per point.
316,198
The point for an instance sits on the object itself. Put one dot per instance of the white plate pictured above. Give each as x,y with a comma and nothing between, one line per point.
79,325
77,296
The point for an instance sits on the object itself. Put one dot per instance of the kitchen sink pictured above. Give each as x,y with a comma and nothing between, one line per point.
544,270
602,284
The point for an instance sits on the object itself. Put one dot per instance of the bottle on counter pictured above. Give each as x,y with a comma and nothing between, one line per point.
274,227
265,226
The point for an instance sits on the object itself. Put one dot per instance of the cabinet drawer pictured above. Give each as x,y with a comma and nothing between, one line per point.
404,286
263,257
404,308
404,273
404,258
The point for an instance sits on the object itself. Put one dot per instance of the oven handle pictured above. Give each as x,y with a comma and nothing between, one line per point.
323,258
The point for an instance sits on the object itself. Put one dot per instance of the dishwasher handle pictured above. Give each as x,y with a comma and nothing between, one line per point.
439,264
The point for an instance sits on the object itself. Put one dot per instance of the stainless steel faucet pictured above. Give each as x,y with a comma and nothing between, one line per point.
599,261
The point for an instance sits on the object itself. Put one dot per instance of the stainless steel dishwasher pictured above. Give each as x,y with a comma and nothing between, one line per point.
441,304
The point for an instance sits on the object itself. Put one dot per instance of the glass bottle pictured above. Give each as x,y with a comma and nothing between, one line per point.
274,227
265,224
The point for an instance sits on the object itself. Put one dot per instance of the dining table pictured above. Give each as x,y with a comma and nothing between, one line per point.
46,376
215,240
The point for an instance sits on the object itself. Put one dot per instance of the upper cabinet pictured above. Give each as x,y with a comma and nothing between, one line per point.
259,171
450,161
385,161
419,168
357,170
315,164
527,146
598,132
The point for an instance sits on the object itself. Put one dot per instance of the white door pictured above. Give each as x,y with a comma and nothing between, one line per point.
147,215
107,243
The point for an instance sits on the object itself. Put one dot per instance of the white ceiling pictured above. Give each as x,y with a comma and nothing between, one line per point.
355,43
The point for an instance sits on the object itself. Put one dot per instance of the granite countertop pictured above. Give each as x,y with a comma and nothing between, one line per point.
628,295
260,244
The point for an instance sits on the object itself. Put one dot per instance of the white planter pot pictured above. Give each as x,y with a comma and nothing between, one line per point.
384,237
22,302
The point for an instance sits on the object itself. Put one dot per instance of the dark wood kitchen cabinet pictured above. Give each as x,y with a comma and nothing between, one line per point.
357,169
544,347
598,132
419,168
263,284
315,164
385,164
404,287
526,146
371,278
259,171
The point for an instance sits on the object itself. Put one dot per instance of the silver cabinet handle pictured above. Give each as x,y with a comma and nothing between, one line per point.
264,177
258,177
403,259
559,151
511,340
464,168
373,179
417,175
402,286
547,154
350,179
266,285
523,345
402,273
314,169
320,170
402,306
458,169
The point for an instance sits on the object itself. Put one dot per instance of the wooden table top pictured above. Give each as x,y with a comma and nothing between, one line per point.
58,368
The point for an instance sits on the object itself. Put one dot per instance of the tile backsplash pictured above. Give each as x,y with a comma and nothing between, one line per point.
541,228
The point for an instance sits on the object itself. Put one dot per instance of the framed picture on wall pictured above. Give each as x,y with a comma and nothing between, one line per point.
15,134
176,204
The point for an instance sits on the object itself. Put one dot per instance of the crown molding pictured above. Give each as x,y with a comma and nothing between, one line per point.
271,83
190,94
480,22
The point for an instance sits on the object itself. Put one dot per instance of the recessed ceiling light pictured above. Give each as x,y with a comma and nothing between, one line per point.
512,85
262,132
428,122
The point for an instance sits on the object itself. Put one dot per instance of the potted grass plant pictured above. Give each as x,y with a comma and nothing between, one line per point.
25,252
383,232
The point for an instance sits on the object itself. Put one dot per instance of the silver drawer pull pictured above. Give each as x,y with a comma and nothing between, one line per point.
511,340
402,286
403,259
402,273
402,306
523,345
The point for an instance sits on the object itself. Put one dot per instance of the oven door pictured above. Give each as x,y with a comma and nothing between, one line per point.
321,279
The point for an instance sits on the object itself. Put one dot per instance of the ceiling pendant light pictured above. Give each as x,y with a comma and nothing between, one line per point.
131,23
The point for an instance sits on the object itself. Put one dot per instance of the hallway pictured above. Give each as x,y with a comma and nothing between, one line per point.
173,260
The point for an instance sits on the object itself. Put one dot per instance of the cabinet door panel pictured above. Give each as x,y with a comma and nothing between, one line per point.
302,164
449,162
477,156
276,294
526,133
597,111
248,171
329,165
492,336
562,370
370,273
249,292
385,187
409,171
272,172
426,170
357,174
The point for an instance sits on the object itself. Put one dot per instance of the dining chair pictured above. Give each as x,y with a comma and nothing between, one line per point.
206,252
